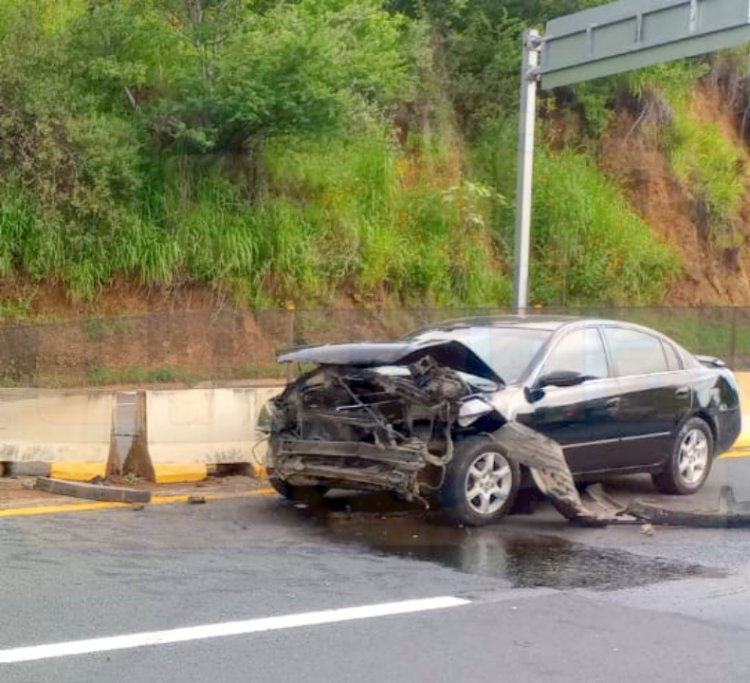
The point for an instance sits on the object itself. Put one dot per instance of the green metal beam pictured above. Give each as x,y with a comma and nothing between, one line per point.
629,34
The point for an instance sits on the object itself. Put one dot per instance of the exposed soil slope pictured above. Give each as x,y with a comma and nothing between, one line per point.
710,276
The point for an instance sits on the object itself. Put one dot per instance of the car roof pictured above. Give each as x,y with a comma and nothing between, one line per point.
536,321
541,322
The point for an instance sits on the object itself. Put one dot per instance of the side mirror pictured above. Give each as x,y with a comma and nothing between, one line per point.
561,378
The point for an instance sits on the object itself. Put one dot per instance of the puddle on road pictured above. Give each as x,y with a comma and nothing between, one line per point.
524,560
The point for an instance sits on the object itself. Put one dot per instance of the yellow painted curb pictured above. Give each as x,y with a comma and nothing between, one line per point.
73,470
736,453
178,474
741,447
155,500
52,509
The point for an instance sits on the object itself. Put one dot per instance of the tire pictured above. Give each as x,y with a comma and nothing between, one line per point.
479,465
690,461
311,495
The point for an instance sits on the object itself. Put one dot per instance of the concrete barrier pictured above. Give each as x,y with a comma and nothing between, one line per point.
179,434
743,383
67,435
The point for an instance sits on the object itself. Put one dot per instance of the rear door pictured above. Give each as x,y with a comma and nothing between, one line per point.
583,418
655,394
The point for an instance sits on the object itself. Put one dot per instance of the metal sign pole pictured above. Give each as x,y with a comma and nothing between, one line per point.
526,130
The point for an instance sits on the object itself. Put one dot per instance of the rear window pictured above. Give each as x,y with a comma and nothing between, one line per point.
635,353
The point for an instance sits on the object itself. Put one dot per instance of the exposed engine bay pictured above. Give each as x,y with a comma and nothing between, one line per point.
366,426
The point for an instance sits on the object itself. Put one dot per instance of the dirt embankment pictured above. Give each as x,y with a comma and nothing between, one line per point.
710,275
181,346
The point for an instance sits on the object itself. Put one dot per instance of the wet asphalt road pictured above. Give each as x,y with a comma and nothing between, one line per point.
546,601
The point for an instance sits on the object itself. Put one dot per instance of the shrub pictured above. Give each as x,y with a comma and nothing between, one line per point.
589,244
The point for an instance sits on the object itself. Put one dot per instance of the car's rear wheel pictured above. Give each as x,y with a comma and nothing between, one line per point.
311,495
481,483
690,461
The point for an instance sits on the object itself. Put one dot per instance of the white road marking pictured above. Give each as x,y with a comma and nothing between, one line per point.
230,628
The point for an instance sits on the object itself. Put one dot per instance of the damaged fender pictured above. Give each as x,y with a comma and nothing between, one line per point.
549,469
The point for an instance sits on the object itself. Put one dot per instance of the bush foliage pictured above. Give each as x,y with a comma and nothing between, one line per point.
292,151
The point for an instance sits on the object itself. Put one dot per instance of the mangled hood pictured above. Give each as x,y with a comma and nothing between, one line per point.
446,352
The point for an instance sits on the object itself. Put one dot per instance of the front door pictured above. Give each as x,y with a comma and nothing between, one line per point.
582,419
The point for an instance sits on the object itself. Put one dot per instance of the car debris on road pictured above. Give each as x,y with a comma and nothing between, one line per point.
649,515
98,492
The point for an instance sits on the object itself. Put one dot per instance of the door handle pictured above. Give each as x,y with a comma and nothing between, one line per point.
613,403
682,392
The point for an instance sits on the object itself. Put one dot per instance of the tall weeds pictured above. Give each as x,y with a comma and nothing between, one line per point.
359,216
588,243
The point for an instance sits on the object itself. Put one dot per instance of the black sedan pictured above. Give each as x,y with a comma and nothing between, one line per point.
427,416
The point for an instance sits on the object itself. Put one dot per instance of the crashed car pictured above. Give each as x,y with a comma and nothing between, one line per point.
458,415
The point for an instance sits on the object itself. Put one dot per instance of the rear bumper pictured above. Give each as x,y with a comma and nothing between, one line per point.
729,430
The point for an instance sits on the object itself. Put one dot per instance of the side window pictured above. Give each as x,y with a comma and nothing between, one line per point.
580,351
635,353
673,359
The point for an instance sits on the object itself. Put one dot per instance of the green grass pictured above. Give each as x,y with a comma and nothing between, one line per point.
371,219
260,371
353,215
358,215
98,327
135,374
139,375
16,310
588,244
704,159
266,166
707,162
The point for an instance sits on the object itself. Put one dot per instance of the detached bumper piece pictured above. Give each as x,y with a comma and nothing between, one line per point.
701,520
730,515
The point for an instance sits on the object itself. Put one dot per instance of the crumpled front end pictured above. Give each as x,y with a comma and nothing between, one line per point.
390,419
344,426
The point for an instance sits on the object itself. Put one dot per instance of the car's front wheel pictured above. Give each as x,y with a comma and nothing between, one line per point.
480,484
690,461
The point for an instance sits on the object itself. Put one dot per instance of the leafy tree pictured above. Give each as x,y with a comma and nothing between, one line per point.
215,76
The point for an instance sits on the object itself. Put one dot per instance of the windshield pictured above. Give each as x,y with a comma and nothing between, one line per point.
507,350
479,383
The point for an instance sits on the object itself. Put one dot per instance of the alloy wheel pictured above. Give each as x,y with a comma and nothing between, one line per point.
488,483
693,459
